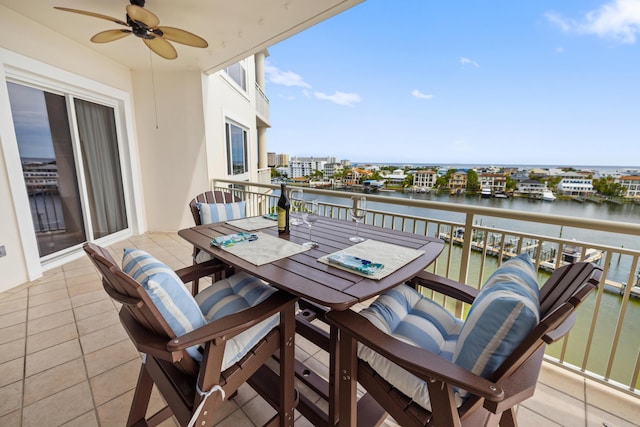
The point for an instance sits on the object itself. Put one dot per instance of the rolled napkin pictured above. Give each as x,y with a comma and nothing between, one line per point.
351,262
232,239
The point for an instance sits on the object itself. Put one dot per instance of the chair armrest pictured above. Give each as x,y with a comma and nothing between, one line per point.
234,324
422,363
457,290
196,271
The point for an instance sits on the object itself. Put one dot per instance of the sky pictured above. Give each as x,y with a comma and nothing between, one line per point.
531,82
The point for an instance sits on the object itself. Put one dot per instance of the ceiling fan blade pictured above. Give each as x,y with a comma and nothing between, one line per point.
110,35
181,36
141,14
95,15
161,47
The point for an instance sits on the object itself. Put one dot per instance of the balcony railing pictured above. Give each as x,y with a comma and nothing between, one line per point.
603,345
262,104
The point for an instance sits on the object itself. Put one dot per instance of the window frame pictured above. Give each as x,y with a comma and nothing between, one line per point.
228,124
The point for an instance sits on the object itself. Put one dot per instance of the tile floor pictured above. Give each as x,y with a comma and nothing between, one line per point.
66,361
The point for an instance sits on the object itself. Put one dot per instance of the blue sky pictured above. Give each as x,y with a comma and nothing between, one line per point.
490,82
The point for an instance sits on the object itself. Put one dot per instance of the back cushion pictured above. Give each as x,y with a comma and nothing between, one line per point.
167,292
216,212
506,309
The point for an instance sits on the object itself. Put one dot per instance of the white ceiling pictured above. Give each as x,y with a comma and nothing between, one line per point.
234,29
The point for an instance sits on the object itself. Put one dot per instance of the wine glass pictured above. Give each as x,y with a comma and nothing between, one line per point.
309,214
296,206
358,211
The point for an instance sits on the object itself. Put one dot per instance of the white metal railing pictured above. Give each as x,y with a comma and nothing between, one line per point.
262,104
603,344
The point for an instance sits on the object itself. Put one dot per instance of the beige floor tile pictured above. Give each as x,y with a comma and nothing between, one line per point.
618,404
561,408
598,417
114,382
15,294
529,418
12,350
51,337
48,309
237,419
111,357
59,408
52,356
89,298
11,306
54,380
97,322
85,420
43,288
10,398
14,318
258,410
86,272
13,332
11,371
103,338
85,288
13,419
115,411
51,321
93,309
48,297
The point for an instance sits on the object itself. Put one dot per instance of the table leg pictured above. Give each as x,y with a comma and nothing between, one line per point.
334,375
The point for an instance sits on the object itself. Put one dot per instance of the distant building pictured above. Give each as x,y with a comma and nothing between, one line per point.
575,184
458,182
271,160
632,184
330,169
497,182
425,178
397,177
530,187
282,160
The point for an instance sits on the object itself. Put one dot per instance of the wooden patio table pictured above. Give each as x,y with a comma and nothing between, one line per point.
321,287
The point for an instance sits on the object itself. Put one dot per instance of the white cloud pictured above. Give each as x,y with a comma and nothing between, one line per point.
340,98
465,61
560,49
421,95
618,20
284,78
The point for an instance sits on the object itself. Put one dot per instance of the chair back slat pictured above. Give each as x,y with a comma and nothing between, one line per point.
563,292
211,197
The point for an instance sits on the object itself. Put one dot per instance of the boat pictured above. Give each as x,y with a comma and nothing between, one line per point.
485,193
548,196
501,195
570,255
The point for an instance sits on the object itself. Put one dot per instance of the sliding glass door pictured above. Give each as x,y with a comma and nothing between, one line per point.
74,186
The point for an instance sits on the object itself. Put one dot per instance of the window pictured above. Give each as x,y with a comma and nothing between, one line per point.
236,149
69,204
238,74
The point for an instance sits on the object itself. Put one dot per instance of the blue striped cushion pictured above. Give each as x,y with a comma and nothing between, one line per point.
231,295
506,309
216,212
167,292
408,316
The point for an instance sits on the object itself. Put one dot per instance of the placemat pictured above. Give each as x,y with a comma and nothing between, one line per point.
253,223
265,249
391,256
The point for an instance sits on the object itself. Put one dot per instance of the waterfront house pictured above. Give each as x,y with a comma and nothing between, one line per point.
575,184
497,182
425,179
531,188
632,184
457,182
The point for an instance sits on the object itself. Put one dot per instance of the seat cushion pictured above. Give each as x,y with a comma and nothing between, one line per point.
409,317
216,212
231,295
505,311
167,292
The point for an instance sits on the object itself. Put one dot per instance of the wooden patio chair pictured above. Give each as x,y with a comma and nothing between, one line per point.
195,371
220,206
455,395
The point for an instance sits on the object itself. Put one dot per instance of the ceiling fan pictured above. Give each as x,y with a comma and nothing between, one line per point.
145,25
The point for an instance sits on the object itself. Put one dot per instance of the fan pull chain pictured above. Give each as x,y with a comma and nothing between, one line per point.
153,88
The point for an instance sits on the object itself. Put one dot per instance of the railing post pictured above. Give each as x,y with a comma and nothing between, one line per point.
466,249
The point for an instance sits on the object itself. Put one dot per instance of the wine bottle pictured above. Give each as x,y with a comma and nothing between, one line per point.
283,210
